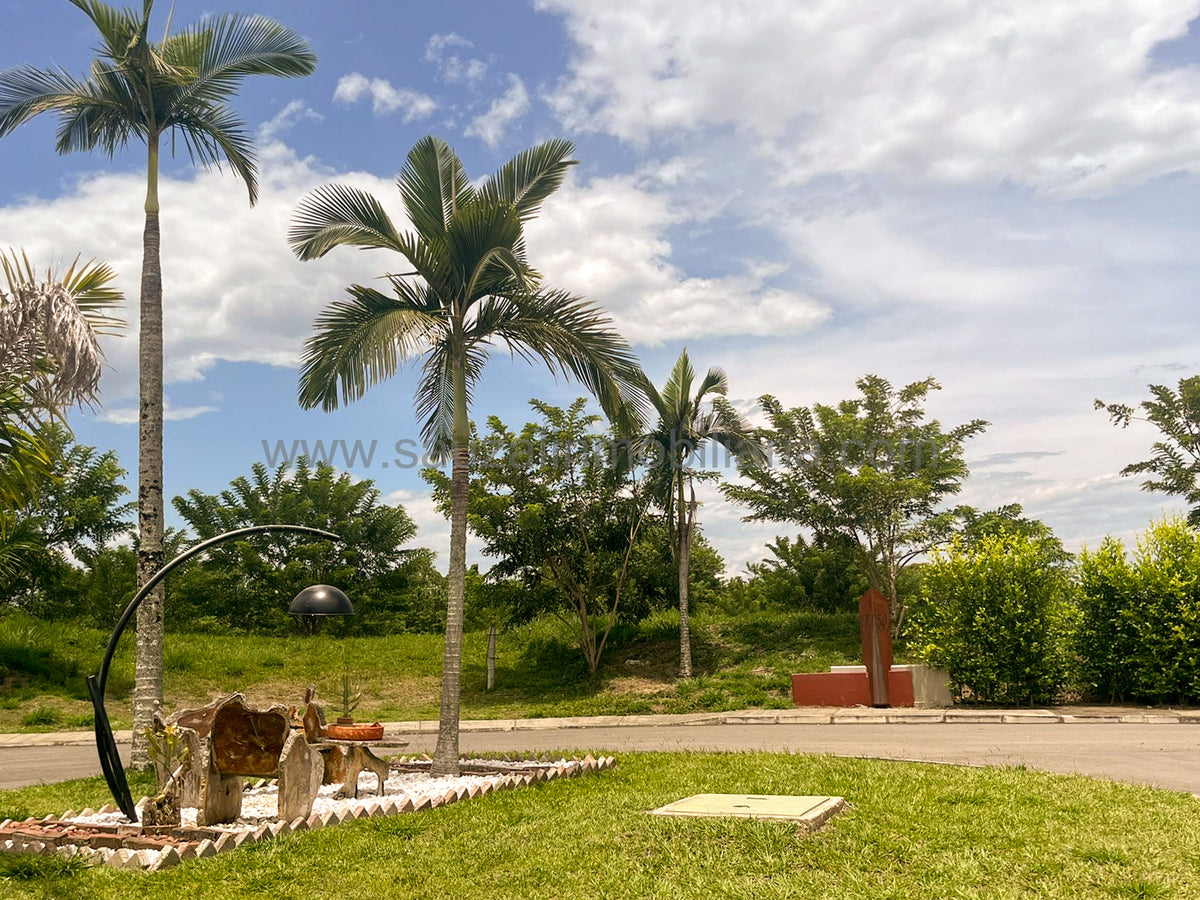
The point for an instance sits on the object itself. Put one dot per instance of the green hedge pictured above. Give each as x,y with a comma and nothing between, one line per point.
1139,630
996,614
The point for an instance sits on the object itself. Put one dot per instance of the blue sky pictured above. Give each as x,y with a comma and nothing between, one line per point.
1005,196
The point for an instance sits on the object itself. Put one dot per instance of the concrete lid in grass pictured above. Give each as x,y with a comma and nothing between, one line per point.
811,812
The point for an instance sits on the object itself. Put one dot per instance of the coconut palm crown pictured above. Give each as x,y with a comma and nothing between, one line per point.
470,288
689,416
143,91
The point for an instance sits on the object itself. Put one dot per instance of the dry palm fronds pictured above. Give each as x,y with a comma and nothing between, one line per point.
49,328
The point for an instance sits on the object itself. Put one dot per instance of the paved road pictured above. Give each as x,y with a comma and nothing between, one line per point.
1166,756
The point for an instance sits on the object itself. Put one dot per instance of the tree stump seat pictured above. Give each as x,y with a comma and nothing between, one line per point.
227,741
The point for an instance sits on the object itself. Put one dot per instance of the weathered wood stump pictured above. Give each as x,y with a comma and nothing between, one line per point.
231,741
300,773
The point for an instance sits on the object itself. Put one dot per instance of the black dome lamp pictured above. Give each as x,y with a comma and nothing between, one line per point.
313,603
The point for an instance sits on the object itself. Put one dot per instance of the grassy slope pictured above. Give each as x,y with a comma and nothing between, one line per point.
741,662
914,832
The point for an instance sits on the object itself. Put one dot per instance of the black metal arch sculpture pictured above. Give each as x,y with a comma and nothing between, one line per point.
106,744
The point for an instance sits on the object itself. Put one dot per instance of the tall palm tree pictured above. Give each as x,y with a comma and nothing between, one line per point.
470,288
688,420
142,90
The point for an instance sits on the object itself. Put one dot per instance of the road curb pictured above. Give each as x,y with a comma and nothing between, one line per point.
794,716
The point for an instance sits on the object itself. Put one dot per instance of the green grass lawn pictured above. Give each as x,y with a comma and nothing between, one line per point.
913,831
740,662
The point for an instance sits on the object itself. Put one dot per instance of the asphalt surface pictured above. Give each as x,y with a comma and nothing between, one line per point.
1165,755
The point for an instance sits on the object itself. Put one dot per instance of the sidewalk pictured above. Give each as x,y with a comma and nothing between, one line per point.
810,715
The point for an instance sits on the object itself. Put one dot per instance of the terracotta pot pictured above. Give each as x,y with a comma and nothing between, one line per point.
355,732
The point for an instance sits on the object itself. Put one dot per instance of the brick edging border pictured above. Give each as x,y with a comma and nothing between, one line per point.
128,847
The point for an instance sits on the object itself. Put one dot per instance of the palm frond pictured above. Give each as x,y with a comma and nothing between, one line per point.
336,215
434,185
435,395
90,287
677,392
27,91
573,337
233,46
531,176
241,45
360,342
20,540
715,382
119,27
106,112
485,242
215,134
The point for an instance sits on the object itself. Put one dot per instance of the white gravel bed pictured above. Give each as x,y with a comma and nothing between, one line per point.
260,804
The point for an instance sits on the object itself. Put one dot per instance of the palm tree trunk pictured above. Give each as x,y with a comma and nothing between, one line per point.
148,670
685,564
445,756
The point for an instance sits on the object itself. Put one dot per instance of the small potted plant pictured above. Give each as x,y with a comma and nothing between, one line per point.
350,699
345,729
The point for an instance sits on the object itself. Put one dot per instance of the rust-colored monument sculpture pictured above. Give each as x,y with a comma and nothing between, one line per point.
875,622
877,683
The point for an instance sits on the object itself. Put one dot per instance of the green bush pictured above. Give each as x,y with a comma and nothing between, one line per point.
42,717
1139,630
35,649
996,614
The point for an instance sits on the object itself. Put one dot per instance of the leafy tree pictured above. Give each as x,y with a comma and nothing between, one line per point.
870,473
559,514
690,416
105,587
800,575
1008,520
470,287
253,580
145,91
653,572
1174,462
78,509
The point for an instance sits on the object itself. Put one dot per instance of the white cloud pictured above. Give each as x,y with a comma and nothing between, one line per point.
232,290
1055,94
608,241
287,119
385,98
505,110
436,46
451,67
129,415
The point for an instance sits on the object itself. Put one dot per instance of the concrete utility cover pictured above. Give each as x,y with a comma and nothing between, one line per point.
811,812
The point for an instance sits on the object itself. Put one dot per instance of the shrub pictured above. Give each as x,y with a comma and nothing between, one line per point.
1139,630
996,614
42,717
